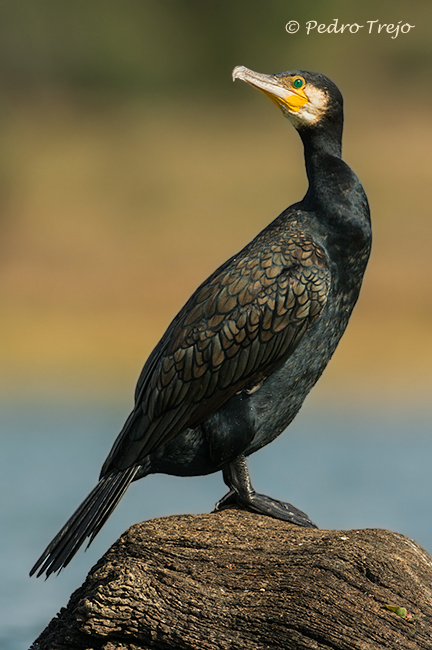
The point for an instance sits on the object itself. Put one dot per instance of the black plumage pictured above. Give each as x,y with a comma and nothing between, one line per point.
235,365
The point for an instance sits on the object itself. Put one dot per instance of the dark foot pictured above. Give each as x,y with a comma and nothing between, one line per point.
242,494
266,506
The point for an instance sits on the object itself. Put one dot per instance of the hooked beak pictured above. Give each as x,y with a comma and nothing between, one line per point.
289,99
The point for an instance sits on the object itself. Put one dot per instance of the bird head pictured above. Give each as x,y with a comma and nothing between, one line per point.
307,99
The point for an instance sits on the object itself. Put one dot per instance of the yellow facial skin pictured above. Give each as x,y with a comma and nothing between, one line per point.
296,97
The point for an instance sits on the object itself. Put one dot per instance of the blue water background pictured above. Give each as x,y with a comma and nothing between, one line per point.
346,467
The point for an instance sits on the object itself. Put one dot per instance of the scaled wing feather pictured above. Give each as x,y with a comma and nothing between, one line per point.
243,322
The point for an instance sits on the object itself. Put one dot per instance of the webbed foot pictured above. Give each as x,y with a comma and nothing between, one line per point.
242,494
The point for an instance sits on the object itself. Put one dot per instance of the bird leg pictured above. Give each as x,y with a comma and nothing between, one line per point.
236,477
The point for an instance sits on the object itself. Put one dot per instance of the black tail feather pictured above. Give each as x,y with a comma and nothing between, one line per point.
86,521
115,497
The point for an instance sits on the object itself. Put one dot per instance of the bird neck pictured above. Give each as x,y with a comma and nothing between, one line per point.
335,196
319,144
324,166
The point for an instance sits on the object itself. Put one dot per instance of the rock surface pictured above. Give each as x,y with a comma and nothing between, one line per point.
234,579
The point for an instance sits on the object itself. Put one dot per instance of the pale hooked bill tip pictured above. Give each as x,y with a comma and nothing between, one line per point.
239,72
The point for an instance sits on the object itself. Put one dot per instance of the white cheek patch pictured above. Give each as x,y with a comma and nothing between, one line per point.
311,112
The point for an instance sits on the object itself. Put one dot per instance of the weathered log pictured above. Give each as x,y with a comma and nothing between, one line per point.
234,579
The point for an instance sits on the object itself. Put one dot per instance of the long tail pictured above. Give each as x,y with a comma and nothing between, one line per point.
86,521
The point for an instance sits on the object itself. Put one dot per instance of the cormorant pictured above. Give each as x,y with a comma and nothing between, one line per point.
236,363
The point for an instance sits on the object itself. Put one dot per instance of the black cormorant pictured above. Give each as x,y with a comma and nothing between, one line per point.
236,363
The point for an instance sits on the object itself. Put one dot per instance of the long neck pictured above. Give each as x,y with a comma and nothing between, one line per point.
322,150
322,141
335,194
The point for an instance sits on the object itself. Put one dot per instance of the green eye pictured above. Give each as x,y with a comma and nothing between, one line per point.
298,83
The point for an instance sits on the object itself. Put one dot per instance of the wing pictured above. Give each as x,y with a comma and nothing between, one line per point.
236,329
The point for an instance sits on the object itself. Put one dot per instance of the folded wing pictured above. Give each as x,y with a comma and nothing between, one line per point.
239,325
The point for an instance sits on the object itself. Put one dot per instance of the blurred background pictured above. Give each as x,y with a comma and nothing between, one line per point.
130,168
